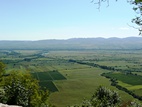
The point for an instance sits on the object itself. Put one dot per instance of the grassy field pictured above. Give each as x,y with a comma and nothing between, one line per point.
80,84
137,89
71,82
138,73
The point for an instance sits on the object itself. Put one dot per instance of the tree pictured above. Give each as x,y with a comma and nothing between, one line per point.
21,89
2,68
105,97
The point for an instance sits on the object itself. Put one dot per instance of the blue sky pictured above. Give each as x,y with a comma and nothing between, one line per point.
63,19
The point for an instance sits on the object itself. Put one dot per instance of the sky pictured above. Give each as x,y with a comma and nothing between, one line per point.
64,19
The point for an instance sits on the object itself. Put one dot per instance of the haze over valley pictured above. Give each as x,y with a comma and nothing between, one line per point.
76,43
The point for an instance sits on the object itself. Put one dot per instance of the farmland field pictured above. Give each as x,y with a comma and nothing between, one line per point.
46,79
73,75
132,82
127,78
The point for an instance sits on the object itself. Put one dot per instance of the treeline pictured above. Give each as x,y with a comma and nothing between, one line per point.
103,66
115,83
93,65
36,56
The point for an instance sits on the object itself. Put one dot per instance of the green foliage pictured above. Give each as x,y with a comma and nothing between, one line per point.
21,89
2,68
105,97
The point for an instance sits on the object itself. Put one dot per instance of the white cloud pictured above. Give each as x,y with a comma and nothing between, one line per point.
124,28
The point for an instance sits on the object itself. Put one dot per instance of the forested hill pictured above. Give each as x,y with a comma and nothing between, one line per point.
76,43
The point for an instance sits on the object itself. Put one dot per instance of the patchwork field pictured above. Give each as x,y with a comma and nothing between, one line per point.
128,82
126,78
72,76
46,79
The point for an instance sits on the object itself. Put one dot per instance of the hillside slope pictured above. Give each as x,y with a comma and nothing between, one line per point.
76,43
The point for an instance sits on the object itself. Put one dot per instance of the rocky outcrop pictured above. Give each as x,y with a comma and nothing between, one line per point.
5,105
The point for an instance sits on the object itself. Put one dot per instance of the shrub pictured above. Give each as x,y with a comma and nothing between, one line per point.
21,89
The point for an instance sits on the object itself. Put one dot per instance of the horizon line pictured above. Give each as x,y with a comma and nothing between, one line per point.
79,38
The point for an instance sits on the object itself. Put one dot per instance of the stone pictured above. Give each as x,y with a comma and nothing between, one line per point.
5,105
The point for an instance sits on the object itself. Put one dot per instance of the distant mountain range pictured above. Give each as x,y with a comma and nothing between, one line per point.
76,43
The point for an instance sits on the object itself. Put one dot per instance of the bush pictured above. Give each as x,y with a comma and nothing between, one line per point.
21,89
105,97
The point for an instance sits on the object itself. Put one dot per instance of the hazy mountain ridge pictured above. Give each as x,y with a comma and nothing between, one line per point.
76,43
